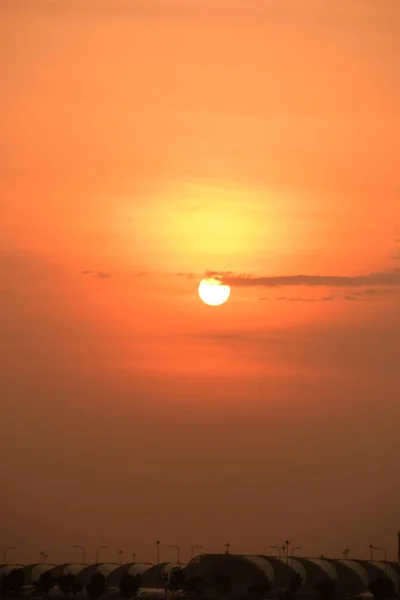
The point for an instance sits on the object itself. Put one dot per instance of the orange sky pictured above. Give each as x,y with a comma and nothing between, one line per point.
147,142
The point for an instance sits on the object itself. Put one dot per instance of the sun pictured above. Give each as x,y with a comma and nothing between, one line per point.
213,292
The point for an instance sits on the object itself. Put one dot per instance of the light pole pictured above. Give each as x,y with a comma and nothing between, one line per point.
6,551
279,550
83,552
158,551
98,552
193,549
287,550
372,547
121,556
178,550
133,557
346,552
227,546
44,556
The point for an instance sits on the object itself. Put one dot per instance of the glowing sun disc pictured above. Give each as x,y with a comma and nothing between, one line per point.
213,292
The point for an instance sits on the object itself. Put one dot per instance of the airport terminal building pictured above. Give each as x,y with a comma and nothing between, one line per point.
213,576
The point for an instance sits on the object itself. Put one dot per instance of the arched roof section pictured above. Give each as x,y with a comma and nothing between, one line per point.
106,569
39,570
326,567
294,565
7,569
170,567
396,567
376,569
139,568
315,572
356,569
387,570
84,576
28,572
153,577
241,572
58,570
265,565
73,569
114,577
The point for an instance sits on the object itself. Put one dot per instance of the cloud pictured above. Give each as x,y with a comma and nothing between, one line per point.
100,274
380,278
301,299
142,274
368,295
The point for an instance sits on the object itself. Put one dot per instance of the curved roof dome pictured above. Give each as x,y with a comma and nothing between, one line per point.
154,576
6,569
73,569
139,568
326,567
84,576
266,567
358,570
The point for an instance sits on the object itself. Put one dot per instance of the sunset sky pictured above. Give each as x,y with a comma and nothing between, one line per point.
143,144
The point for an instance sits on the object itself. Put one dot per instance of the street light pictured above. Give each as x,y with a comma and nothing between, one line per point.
345,553
287,549
98,552
277,548
121,556
227,546
83,552
372,547
44,557
177,548
192,550
158,551
133,557
5,552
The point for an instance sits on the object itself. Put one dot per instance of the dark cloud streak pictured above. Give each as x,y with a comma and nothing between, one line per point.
380,278
301,299
99,274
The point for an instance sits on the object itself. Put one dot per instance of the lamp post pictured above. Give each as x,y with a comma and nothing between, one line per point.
227,546
345,553
133,557
178,550
287,543
6,551
83,552
98,552
44,557
121,556
193,549
158,551
372,547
